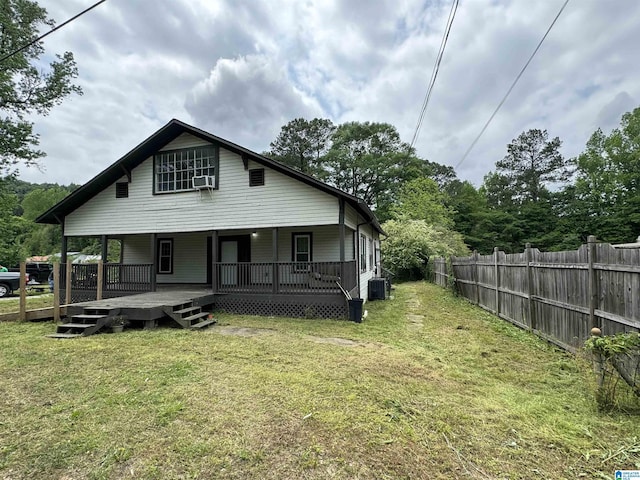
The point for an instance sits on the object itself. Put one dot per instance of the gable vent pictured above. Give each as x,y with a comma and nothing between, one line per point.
256,177
122,190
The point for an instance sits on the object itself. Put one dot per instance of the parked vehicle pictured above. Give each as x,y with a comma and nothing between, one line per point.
9,282
37,271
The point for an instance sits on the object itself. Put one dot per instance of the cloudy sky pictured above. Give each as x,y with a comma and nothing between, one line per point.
242,69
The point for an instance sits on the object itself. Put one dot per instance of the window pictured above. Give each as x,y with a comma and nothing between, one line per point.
174,169
363,253
256,177
122,190
371,264
301,249
165,255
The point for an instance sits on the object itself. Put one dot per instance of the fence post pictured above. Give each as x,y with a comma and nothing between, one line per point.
530,310
23,291
100,280
593,282
497,274
475,277
56,292
67,283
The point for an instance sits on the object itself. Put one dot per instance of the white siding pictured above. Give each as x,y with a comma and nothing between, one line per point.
189,259
368,232
282,201
136,249
350,217
349,251
189,256
184,141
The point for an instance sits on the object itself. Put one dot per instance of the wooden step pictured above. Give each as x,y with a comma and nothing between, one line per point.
64,335
88,316
195,317
187,310
77,325
103,312
204,323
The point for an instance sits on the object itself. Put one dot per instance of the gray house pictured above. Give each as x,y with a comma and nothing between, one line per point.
193,209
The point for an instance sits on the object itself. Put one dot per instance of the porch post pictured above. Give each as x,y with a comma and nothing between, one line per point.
341,234
104,255
65,247
214,261
154,260
63,261
104,242
275,280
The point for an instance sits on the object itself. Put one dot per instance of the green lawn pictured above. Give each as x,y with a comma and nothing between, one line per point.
11,305
429,387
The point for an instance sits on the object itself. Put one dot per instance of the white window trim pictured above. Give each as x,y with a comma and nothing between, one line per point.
363,253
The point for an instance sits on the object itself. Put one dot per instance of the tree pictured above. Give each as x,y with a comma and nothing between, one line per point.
421,199
606,198
302,145
522,207
41,239
411,243
532,162
369,160
12,228
25,88
443,175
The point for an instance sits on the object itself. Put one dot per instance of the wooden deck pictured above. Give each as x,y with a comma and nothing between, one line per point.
148,306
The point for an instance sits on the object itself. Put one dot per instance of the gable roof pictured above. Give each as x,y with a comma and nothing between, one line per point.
155,142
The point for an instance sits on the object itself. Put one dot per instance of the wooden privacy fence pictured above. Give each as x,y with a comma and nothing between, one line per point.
558,295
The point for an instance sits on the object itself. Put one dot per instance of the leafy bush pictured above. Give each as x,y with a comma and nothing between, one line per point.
411,243
617,357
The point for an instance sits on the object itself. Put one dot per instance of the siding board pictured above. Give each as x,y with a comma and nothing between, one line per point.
282,201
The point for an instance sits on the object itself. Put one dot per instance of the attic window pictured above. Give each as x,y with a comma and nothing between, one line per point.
122,190
256,177
175,169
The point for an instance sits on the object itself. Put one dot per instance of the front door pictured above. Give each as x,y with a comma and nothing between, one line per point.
231,251
229,254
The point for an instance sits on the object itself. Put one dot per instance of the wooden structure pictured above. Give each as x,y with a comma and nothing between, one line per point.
190,208
558,295
186,307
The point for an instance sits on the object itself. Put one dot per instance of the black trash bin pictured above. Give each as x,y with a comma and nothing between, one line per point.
355,310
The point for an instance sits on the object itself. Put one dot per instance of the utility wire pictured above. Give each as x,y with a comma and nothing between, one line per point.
473,144
9,55
434,73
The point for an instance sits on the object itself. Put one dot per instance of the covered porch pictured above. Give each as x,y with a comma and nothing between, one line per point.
263,271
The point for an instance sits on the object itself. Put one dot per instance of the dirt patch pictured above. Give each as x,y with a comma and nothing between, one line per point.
344,342
240,331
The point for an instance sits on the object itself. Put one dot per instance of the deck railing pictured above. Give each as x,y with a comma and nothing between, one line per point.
273,278
117,280
284,277
116,276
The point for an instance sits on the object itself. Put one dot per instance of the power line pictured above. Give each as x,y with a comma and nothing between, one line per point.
436,68
9,55
473,144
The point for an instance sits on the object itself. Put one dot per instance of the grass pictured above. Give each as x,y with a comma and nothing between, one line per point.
431,388
34,302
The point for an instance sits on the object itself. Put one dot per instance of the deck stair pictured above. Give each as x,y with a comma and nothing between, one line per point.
189,316
90,321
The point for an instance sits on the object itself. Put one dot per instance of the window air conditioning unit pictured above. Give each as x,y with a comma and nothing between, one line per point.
203,181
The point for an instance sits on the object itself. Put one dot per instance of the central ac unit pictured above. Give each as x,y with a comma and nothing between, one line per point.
203,181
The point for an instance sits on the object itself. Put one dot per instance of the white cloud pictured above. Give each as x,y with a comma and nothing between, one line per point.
247,99
243,69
